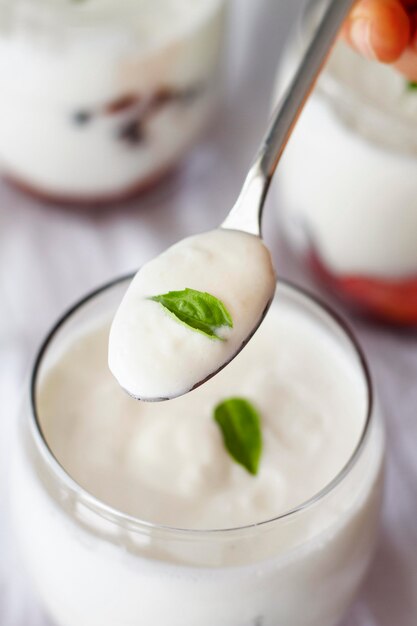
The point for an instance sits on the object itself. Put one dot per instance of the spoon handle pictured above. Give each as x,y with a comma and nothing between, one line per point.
246,214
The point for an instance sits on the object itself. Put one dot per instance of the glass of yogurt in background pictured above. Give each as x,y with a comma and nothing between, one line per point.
133,513
348,181
101,97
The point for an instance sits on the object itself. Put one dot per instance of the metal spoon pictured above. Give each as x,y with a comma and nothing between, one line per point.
246,214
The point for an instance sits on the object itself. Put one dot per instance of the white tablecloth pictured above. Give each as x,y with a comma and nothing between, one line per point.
51,256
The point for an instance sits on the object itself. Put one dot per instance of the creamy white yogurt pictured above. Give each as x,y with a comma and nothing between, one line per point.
347,180
166,463
151,354
99,98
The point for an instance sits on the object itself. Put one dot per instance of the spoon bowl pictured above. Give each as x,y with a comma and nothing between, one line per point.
187,313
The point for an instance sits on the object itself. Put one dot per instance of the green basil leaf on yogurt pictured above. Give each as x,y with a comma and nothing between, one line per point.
196,309
411,85
240,425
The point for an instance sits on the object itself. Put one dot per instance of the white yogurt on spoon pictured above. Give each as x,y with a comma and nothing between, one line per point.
152,353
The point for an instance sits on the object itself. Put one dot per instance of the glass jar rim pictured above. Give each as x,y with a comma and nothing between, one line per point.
79,17
136,524
77,9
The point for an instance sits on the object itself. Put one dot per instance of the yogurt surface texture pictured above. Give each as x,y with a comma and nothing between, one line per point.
165,462
153,355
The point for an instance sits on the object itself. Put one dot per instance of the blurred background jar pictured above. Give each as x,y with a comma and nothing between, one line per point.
101,97
348,181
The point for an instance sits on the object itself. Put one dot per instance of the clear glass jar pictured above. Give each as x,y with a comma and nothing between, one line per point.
96,566
348,184
101,97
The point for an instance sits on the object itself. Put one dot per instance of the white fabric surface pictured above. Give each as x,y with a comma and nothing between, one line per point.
50,256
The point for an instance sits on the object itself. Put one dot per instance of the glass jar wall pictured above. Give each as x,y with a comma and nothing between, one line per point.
93,564
348,183
100,98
